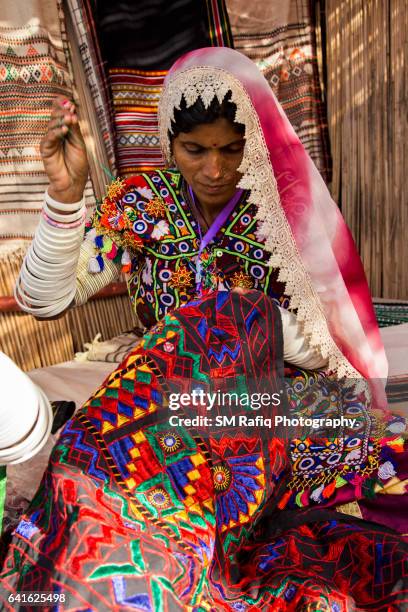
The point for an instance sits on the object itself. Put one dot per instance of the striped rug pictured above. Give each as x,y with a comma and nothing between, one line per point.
135,97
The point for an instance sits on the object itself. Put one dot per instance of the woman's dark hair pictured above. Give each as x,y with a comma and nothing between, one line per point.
187,118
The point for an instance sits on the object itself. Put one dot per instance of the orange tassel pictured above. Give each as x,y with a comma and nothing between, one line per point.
397,445
329,490
284,500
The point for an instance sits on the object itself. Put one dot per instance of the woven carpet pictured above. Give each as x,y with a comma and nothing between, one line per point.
135,96
397,390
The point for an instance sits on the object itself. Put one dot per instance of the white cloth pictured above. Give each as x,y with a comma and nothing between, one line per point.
25,415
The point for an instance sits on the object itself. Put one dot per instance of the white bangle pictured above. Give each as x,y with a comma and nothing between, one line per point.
61,218
40,280
38,290
47,310
61,205
48,245
25,415
47,281
60,234
46,252
39,301
66,244
35,438
45,270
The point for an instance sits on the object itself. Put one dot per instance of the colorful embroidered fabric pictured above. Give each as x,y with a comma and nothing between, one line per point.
137,513
147,222
150,217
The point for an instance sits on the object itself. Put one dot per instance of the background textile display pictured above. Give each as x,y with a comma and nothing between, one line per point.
56,51
33,71
36,65
367,89
280,38
139,42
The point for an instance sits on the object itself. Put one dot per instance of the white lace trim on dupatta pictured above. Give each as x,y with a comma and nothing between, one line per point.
258,177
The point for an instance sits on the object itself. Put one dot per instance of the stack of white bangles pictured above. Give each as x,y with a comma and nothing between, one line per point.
25,415
47,280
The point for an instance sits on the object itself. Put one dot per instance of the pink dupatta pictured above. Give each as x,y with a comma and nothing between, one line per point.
299,222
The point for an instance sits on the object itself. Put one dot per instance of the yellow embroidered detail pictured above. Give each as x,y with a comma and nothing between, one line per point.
240,279
156,207
115,188
181,278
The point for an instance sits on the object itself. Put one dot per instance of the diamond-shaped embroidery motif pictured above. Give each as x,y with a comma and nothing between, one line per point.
25,75
275,80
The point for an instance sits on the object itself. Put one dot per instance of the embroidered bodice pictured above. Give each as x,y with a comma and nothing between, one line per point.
147,223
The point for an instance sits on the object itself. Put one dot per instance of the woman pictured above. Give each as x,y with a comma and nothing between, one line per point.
212,507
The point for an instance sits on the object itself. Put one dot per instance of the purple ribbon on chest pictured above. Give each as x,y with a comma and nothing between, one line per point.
212,230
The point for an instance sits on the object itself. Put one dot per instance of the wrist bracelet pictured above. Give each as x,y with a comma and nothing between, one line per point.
60,205
48,273
49,310
58,238
49,268
75,216
60,233
72,225
67,241
34,440
49,246
38,299
37,290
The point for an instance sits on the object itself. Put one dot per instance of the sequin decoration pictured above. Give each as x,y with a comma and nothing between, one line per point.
221,477
170,442
159,498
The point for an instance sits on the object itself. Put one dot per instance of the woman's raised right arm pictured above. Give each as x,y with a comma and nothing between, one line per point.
50,279
64,154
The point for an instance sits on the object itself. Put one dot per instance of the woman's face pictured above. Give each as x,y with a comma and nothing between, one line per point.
208,157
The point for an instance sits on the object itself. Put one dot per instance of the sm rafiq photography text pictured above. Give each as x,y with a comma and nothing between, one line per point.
254,401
